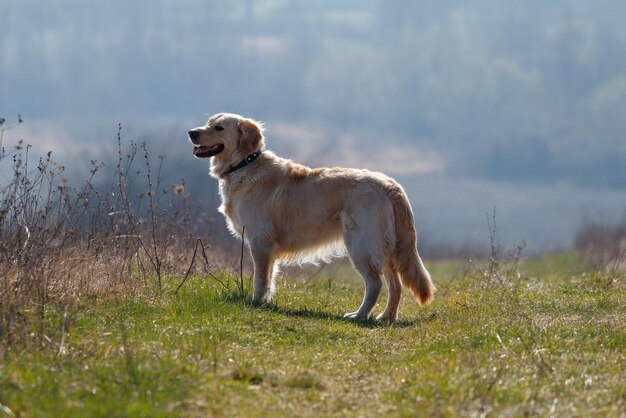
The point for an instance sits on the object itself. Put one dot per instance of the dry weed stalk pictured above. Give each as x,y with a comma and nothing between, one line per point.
500,272
207,267
498,269
59,242
603,246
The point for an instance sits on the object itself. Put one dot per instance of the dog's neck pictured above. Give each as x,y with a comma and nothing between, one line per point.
222,173
246,161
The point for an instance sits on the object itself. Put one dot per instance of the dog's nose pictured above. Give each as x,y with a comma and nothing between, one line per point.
193,135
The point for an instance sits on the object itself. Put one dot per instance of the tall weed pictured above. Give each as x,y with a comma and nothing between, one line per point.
117,231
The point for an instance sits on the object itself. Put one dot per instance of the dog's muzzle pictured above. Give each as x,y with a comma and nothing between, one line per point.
193,136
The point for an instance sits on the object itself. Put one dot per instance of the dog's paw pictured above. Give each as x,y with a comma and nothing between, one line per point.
261,301
355,316
386,319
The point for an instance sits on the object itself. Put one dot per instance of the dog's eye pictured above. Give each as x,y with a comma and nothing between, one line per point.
219,128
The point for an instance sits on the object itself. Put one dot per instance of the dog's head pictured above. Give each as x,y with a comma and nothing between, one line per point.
227,137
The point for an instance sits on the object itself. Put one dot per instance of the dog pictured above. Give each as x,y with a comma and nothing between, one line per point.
290,213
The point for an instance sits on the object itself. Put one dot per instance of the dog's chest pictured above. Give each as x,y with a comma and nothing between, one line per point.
233,196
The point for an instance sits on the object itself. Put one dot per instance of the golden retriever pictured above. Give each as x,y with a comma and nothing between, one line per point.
292,213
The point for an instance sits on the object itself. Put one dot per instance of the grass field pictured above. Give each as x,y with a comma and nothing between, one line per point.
546,338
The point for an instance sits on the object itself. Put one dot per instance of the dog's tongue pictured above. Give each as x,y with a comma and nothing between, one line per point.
206,152
199,151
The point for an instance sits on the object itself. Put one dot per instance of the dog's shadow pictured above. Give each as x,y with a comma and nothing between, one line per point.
327,316
370,323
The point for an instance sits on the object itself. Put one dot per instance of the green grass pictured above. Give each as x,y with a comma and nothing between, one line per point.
552,341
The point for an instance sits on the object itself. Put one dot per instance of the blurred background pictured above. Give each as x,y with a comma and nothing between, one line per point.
517,105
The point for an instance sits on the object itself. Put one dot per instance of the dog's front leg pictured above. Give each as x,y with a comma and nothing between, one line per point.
263,276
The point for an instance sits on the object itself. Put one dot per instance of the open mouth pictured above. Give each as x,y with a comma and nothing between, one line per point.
206,152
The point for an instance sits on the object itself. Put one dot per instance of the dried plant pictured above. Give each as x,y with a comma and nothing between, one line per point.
603,246
62,239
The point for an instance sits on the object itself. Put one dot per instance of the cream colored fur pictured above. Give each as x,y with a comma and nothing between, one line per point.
293,213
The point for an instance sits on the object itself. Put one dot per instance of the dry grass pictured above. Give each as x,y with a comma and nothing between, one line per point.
542,345
117,232
603,246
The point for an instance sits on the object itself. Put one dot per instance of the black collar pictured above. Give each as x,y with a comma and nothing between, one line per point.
248,160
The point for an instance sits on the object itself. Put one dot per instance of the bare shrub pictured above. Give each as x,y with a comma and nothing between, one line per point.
603,246
498,267
500,272
61,240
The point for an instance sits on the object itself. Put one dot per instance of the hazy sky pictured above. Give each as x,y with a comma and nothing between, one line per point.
516,104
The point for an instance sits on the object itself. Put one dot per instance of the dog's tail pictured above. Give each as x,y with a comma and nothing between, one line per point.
407,260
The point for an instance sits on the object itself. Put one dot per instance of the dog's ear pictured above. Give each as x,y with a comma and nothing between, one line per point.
250,136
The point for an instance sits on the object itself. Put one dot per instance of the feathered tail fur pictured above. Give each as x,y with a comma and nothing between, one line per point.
407,260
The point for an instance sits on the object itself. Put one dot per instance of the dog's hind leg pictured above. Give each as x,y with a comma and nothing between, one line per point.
365,264
373,285
263,276
394,288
